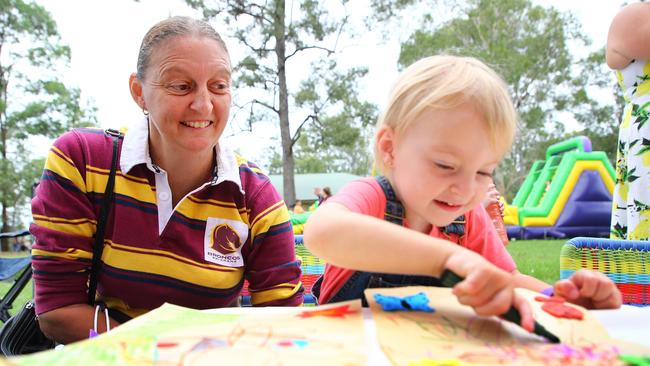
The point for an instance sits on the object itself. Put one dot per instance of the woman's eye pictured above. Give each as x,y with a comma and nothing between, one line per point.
180,88
220,86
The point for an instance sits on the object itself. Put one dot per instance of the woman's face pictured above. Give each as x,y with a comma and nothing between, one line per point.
186,90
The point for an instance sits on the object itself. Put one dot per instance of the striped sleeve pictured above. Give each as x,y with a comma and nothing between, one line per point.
63,225
273,272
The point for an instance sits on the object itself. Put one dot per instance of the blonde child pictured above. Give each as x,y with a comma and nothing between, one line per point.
448,123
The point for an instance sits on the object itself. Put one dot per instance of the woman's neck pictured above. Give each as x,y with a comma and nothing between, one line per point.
185,172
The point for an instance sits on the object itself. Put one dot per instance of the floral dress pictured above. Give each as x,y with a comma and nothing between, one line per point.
631,205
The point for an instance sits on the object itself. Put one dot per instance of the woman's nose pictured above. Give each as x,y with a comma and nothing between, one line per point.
202,101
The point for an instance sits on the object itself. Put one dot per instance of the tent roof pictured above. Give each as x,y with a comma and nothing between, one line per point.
305,183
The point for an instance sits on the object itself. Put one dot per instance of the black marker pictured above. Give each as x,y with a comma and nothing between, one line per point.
450,279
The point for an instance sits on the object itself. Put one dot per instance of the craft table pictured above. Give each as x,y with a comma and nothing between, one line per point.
629,323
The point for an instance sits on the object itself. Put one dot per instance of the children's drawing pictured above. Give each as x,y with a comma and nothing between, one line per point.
173,335
455,332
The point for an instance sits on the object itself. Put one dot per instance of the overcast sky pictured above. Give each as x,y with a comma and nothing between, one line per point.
105,36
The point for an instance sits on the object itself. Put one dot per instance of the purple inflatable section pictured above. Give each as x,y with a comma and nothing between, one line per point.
587,213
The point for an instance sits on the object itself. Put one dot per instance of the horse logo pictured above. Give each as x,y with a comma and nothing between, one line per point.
225,239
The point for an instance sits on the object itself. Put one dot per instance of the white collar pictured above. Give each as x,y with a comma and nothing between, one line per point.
135,151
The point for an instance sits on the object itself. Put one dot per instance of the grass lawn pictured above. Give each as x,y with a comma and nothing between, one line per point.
25,294
537,258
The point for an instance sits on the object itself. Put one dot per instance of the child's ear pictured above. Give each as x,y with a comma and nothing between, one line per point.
386,145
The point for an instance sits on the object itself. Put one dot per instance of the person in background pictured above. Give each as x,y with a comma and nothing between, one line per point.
495,209
628,53
327,193
297,208
448,123
318,191
493,197
190,219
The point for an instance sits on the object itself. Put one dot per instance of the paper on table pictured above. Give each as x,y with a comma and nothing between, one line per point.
173,335
454,331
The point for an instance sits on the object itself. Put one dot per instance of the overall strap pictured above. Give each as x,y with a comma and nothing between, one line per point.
98,245
394,211
456,227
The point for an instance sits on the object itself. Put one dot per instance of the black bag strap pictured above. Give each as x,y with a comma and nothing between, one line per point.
98,245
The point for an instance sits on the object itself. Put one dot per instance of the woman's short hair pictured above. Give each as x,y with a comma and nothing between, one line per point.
173,27
445,82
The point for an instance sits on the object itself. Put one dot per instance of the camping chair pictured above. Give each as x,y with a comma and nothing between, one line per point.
312,267
8,269
626,262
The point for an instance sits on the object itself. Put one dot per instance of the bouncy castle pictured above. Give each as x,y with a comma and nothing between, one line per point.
566,195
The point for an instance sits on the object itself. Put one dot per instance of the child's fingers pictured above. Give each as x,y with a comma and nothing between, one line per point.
526,312
590,289
475,288
485,292
612,301
588,284
599,289
496,305
566,289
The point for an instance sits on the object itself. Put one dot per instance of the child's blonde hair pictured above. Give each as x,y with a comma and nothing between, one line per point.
445,82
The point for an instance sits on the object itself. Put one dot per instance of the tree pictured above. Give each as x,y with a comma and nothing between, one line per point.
274,35
532,48
339,142
599,120
33,101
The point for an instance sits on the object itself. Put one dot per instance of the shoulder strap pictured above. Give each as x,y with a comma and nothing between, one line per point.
394,211
98,245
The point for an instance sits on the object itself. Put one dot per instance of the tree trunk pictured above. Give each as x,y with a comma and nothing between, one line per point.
285,131
4,243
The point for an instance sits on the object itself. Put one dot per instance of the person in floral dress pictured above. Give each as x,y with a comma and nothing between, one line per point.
628,53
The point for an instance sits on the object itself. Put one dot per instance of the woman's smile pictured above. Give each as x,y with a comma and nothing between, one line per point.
197,124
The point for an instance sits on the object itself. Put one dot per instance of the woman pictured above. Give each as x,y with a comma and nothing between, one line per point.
190,219
628,52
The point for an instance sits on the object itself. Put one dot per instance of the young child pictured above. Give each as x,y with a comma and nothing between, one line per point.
448,123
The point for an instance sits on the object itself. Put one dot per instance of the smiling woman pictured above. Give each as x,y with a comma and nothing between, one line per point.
190,219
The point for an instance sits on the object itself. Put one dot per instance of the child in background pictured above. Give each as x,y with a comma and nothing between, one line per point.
448,124
495,209
297,208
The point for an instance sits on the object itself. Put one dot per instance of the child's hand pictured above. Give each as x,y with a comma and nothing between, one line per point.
493,196
486,288
590,289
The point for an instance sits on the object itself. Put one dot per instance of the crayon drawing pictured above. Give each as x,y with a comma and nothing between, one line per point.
173,335
455,332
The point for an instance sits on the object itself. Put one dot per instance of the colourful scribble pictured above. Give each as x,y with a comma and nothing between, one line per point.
562,354
335,312
433,362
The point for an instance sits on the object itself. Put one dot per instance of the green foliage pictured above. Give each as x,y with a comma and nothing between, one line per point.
532,48
322,119
22,298
29,105
337,142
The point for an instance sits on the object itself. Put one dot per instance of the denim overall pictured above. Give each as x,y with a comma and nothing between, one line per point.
359,281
